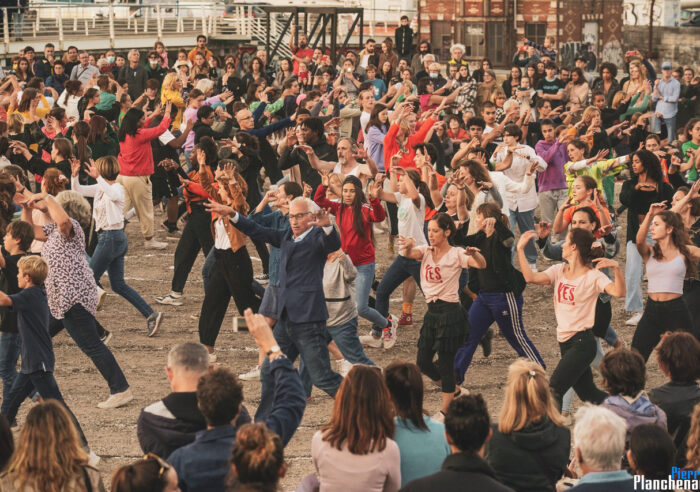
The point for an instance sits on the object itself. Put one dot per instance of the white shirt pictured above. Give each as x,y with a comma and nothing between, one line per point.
70,104
411,218
504,185
108,204
522,159
221,240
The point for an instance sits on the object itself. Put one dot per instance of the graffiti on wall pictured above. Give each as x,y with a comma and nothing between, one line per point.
612,52
636,13
569,51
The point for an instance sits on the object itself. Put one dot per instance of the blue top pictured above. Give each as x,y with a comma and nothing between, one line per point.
422,452
203,464
274,220
379,88
32,310
669,91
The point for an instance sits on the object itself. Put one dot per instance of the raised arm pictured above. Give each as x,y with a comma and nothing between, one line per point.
641,240
539,278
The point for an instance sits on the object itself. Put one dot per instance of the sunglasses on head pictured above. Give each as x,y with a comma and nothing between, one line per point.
164,465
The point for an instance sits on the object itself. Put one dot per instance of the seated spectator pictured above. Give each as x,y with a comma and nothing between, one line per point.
624,375
201,465
257,461
421,440
173,421
650,452
529,450
468,430
354,451
151,474
48,456
599,442
679,360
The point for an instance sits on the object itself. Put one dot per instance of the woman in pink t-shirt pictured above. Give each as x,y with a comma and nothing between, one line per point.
576,288
445,325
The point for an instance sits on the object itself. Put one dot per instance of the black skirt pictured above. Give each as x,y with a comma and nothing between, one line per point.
445,327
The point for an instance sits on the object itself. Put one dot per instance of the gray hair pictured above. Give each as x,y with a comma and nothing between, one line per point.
429,56
510,105
189,355
457,47
76,206
205,85
310,205
599,435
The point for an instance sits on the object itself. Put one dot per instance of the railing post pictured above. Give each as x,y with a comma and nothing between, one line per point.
6,27
60,29
75,23
158,22
87,30
111,24
145,19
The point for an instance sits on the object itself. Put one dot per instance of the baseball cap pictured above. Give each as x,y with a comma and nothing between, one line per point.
581,57
666,66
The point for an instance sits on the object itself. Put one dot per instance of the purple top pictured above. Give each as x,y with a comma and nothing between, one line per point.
70,279
554,154
191,114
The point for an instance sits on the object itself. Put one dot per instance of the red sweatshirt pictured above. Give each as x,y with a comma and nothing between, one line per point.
135,154
358,248
391,146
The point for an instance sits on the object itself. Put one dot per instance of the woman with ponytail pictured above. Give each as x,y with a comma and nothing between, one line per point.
577,285
669,262
445,326
529,449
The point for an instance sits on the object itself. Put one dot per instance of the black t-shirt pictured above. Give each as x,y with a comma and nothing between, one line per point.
32,309
8,277
551,87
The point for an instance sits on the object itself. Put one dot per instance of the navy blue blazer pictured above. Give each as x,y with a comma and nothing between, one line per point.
300,289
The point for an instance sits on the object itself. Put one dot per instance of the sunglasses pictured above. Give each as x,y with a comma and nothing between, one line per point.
164,465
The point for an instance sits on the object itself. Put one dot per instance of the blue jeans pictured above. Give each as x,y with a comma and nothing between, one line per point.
109,257
80,325
308,341
9,354
398,272
526,222
363,284
634,273
670,126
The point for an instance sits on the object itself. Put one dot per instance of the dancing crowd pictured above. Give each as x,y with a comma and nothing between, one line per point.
475,184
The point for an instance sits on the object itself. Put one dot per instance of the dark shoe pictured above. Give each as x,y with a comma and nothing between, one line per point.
486,342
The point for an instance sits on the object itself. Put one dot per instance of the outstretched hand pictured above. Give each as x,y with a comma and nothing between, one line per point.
219,208
322,218
261,331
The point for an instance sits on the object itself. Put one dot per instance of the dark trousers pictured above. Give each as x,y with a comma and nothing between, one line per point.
46,385
80,325
658,318
232,276
392,210
196,236
574,369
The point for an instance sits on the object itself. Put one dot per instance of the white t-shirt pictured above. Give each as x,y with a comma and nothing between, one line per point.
411,218
364,119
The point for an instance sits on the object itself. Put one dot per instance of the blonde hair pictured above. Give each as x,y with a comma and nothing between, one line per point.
15,122
617,99
496,94
588,114
108,167
48,455
527,398
34,266
169,80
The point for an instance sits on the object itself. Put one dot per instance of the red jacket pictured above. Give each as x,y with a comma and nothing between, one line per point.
391,146
358,248
135,154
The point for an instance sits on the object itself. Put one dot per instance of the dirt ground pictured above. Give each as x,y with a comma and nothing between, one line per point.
112,433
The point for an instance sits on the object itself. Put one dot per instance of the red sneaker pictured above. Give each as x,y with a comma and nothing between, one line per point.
406,319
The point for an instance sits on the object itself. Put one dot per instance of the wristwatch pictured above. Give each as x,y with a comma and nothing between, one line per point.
275,349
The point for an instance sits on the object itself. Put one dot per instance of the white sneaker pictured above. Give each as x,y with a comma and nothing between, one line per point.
634,320
371,341
172,299
344,367
252,375
101,294
439,417
389,333
212,358
117,400
533,267
153,244
93,459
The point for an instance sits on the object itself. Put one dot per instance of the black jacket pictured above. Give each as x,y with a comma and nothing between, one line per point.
678,401
403,37
290,158
173,422
532,459
201,130
461,472
136,78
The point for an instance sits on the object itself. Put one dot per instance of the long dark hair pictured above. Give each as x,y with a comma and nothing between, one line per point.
421,186
81,132
27,96
374,119
651,165
98,129
679,238
7,208
130,123
406,387
586,245
357,204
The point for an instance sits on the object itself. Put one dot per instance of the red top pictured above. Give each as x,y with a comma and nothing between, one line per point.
460,135
135,154
358,248
391,146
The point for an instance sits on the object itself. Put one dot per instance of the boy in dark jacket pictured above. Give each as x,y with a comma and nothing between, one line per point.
205,119
404,39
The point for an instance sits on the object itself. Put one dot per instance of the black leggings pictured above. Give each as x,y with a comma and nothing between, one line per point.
443,370
658,318
392,210
574,369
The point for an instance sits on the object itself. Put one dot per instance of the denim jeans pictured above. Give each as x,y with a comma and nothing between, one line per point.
400,269
670,126
550,202
363,284
634,273
80,325
9,354
46,385
109,257
526,222
307,341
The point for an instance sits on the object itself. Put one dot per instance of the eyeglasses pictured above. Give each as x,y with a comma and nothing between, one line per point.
249,117
164,465
298,216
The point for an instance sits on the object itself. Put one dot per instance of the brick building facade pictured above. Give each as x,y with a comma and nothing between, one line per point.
494,28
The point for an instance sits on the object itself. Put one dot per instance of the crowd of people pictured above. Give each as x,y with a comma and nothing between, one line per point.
315,165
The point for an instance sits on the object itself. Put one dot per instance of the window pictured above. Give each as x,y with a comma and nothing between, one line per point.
472,37
536,31
441,39
496,36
